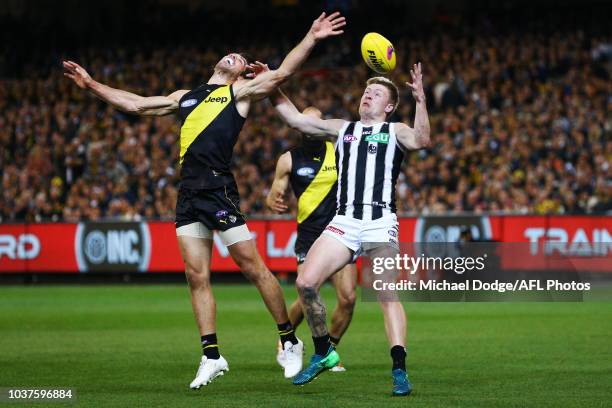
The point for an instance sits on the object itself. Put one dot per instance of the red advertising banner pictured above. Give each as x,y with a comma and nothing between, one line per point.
577,242
37,247
152,246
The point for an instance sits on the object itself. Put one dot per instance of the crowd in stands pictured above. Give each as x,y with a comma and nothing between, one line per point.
520,123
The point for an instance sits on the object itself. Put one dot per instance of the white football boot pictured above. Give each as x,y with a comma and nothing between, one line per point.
209,370
292,360
280,355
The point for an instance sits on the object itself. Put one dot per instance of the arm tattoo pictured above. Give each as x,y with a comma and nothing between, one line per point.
315,311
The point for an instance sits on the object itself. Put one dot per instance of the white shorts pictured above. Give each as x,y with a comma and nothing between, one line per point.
353,233
228,237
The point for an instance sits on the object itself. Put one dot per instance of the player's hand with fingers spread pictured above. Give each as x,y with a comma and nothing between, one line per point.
327,26
416,86
77,73
256,68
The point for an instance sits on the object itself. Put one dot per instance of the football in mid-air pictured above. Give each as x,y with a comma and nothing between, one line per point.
378,53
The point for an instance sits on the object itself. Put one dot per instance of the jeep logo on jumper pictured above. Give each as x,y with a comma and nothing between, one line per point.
378,138
221,99
113,247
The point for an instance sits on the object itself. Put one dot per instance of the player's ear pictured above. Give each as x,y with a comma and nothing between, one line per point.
389,108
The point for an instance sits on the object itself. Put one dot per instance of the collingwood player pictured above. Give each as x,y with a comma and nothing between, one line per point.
212,116
310,170
369,153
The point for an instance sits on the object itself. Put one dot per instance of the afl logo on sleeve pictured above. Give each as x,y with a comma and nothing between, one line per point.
188,103
305,171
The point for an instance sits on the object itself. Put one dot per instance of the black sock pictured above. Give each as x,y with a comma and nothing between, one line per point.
210,348
286,333
398,355
334,341
321,344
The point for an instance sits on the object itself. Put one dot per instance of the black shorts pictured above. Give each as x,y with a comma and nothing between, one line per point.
218,209
304,241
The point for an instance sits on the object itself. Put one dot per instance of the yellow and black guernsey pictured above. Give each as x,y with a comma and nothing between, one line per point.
210,125
313,179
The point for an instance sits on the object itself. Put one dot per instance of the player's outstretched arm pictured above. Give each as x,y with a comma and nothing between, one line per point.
419,136
276,197
306,124
264,83
122,100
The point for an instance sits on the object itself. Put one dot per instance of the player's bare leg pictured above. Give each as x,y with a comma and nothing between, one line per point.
326,256
246,256
395,322
344,282
196,253
296,313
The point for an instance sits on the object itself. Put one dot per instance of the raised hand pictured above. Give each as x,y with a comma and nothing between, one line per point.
256,68
77,73
327,26
416,86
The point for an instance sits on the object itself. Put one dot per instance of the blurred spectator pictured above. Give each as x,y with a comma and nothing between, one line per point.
520,124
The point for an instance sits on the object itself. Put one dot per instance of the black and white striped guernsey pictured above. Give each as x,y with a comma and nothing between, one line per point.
368,160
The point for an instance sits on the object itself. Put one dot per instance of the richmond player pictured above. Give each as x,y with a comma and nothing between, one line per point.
212,116
310,170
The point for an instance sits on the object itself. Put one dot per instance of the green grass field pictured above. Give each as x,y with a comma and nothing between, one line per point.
137,346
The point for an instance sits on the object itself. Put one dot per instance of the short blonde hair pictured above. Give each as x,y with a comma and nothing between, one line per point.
393,90
311,110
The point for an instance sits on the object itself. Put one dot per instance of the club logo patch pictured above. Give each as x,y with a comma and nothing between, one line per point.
232,218
188,103
372,149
